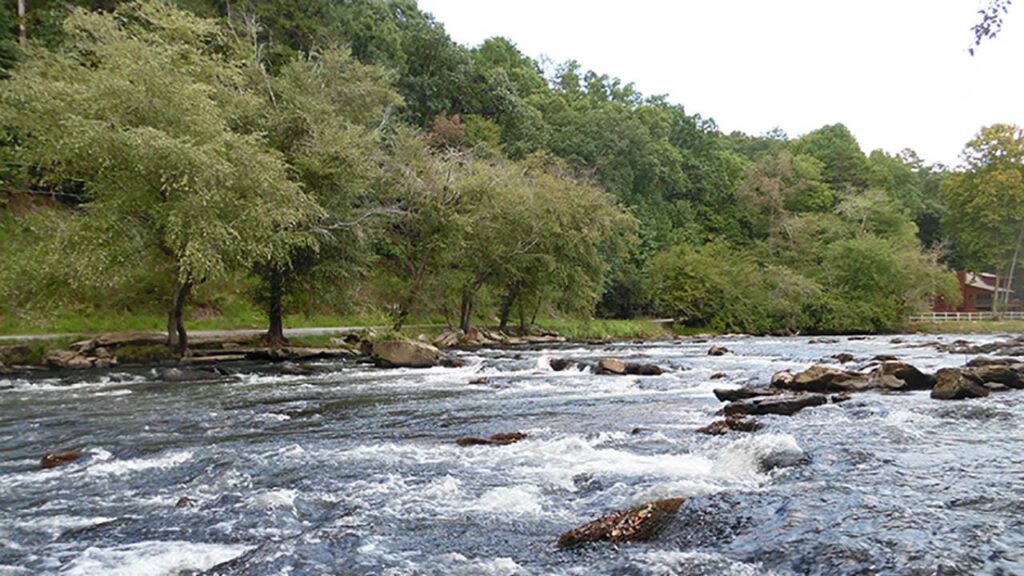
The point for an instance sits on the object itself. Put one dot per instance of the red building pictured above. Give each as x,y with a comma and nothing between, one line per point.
978,291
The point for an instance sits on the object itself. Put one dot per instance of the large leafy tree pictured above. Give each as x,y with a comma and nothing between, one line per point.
985,201
323,112
142,108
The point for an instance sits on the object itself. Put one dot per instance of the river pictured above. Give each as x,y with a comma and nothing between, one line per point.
352,469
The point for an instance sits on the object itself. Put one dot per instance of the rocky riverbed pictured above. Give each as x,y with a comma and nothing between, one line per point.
336,465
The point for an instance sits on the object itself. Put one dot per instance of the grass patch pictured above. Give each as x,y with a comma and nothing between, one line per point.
975,327
602,329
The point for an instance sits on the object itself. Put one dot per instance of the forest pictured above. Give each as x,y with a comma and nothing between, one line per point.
346,157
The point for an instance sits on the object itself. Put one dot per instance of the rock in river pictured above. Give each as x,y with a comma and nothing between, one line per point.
718,350
644,369
54,460
634,525
952,384
559,364
405,354
732,395
784,404
913,378
1009,376
611,366
501,439
820,378
731,423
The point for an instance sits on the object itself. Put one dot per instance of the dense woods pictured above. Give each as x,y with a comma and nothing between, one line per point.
346,156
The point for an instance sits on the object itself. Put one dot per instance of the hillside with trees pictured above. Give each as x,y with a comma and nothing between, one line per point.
347,157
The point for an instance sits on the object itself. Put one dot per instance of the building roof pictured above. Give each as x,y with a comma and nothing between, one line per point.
978,281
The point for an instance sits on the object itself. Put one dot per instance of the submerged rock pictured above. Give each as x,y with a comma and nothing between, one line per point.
501,439
731,423
186,374
783,404
184,502
840,397
718,376
953,384
717,350
559,364
405,354
843,357
53,460
448,362
634,525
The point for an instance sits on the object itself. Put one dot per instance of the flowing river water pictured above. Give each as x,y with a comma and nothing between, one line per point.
352,469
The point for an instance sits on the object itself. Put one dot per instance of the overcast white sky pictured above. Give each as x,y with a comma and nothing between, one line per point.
896,72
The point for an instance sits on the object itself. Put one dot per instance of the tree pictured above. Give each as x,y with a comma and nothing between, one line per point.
419,184
322,112
846,168
142,108
986,200
533,231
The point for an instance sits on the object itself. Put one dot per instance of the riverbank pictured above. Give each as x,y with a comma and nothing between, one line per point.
309,336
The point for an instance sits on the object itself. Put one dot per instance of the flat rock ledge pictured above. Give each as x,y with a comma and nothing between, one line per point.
638,524
782,404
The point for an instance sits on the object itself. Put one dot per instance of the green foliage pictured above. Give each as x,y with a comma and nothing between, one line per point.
845,167
726,289
985,216
278,147
141,109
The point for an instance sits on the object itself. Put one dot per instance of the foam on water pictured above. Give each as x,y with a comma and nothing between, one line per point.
117,467
755,455
153,558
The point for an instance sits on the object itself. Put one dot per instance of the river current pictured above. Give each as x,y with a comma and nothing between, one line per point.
354,470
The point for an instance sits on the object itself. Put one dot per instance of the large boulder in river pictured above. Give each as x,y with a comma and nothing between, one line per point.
634,525
405,354
783,404
1009,376
953,384
611,366
717,350
912,378
819,378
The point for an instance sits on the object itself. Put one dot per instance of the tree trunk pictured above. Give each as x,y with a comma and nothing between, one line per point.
274,338
466,310
511,296
177,338
403,313
1013,268
22,31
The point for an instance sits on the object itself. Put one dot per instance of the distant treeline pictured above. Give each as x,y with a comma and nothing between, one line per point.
346,155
